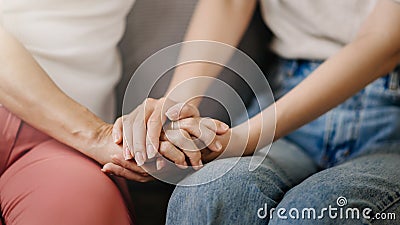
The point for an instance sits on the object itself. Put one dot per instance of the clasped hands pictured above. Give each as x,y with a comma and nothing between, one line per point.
160,130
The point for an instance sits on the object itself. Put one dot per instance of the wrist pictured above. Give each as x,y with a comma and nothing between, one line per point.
95,140
238,141
88,132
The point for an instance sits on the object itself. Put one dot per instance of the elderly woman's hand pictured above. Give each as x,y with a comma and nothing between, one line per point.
140,130
109,154
195,139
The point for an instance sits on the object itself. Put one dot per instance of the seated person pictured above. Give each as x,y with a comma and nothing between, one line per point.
339,113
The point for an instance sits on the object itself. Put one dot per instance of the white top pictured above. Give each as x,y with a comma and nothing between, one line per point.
314,29
75,41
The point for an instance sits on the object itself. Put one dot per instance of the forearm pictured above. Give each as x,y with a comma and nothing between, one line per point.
332,83
374,52
222,21
28,92
340,80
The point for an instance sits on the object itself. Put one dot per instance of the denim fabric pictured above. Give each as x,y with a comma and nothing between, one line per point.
357,144
235,197
368,120
367,182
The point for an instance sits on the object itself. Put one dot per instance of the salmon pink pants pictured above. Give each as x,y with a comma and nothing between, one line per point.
44,182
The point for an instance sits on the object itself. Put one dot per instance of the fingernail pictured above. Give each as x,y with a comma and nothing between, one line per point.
116,139
127,154
151,151
139,158
105,168
225,127
184,166
160,164
172,114
218,145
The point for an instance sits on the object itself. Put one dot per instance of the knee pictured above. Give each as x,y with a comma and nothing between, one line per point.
228,193
236,180
320,199
71,190
63,187
92,198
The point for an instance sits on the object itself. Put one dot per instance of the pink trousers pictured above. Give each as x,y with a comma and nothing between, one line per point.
44,182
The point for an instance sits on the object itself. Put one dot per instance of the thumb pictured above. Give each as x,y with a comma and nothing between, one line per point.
117,131
181,111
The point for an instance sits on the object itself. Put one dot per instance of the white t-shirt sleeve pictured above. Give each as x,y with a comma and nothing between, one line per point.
1,12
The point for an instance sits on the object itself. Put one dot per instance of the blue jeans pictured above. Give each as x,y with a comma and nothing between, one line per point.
345,163
368,120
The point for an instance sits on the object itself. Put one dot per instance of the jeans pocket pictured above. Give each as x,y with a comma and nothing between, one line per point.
291,72
385,91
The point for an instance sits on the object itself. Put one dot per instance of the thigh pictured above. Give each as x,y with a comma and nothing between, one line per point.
54,184
236,197
369,184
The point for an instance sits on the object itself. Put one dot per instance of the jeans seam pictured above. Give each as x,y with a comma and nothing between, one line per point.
387,206
327,136
285,178
393,85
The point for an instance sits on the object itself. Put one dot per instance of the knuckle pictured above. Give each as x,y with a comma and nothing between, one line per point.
144,174
164,147
161,101
119,171
178,140
191,108
187,123
180,159
126,118
184,134
207,136
115,159
118,122
177,137
154,120
139,123
193,154
210,121
149,100
162,150
138,146
153,137
124,173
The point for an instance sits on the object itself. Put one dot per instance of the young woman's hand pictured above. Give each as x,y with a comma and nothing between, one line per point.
198,139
